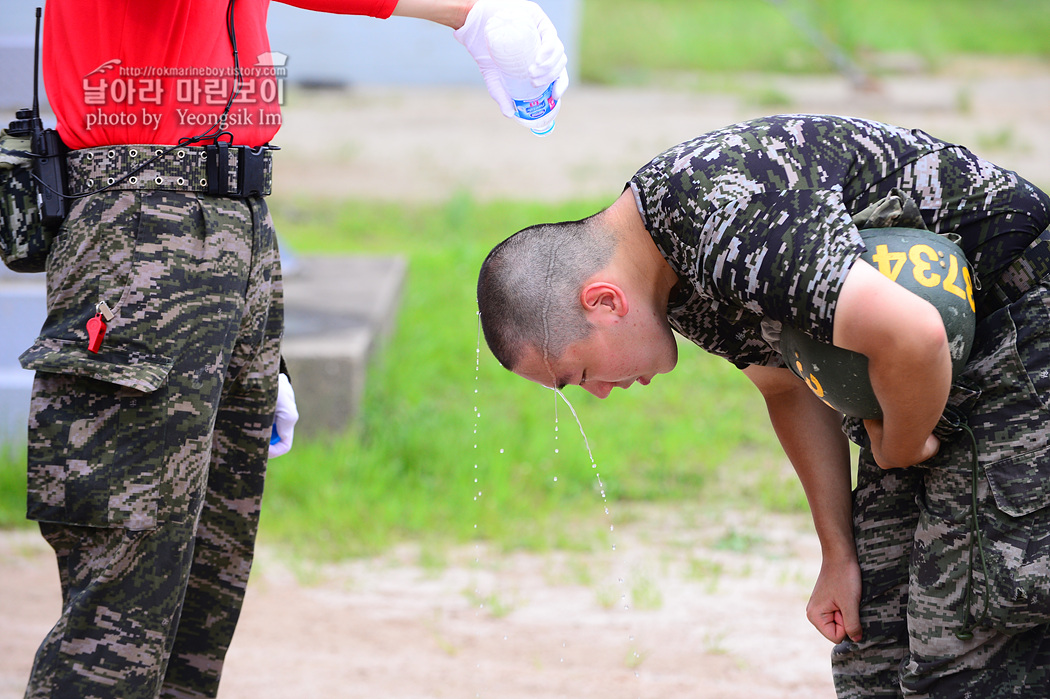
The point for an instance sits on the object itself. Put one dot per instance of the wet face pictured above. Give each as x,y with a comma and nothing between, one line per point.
614,355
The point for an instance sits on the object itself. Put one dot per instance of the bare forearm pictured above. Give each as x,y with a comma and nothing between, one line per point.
811,436
820,456
451,13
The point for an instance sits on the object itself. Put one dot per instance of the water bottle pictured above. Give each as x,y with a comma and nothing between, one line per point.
513,41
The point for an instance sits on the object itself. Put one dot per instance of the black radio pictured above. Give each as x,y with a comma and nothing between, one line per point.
49,153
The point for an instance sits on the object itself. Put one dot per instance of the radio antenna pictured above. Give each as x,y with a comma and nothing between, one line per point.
36,67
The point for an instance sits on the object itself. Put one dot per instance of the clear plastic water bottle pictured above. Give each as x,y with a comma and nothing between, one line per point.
513,42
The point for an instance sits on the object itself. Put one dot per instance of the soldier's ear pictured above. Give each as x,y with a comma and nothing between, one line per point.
601,297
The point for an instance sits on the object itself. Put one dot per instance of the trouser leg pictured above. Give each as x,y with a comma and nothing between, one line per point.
884,517
121,594
229,520
225,545
222,560
108,458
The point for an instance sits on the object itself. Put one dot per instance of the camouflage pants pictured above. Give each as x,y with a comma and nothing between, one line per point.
147,459
922,584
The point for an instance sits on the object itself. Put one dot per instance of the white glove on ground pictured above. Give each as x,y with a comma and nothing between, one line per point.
285,418
550,60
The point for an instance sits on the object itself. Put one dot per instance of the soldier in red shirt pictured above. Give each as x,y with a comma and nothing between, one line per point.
157,367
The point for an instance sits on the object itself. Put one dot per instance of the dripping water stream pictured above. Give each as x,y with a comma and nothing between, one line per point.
590,455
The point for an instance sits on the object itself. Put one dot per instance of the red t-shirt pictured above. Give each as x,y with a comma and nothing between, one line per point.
153,71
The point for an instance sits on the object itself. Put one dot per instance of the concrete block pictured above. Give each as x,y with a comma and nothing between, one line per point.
23,308
338,312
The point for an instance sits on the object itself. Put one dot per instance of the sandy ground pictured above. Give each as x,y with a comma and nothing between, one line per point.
430,144
683,606
678,607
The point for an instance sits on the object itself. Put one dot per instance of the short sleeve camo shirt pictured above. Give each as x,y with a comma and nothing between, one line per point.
755,219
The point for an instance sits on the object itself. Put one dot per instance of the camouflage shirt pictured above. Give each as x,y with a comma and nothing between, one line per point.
755,219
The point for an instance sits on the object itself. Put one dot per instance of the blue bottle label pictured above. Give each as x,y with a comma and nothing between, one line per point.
536,108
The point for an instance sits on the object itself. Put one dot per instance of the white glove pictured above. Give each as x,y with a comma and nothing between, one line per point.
284,419
550,61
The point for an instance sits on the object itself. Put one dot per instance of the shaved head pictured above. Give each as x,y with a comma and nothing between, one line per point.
529,288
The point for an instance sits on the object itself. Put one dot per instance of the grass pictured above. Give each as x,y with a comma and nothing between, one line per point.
638,41
13,487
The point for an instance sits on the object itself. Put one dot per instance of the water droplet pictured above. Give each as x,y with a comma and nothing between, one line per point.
500,451
555,479
555,451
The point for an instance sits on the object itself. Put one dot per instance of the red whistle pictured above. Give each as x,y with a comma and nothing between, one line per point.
96,328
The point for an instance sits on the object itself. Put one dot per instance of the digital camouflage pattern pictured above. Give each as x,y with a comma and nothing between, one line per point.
147,459
24,241
757,220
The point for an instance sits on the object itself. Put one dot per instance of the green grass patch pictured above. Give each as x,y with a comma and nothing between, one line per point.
635,41
13,487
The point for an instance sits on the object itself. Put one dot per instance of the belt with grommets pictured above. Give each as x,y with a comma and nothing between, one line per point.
219,170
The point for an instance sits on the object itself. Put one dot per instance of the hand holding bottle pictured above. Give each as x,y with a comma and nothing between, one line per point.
518,50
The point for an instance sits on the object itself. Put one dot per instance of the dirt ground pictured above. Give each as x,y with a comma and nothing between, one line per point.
683,606
682,609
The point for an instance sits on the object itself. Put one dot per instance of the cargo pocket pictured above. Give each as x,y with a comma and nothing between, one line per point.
133,447
123,366
1014,441
95,440
1017,541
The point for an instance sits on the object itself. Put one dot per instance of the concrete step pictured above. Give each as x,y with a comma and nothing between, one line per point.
23,307
338,311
